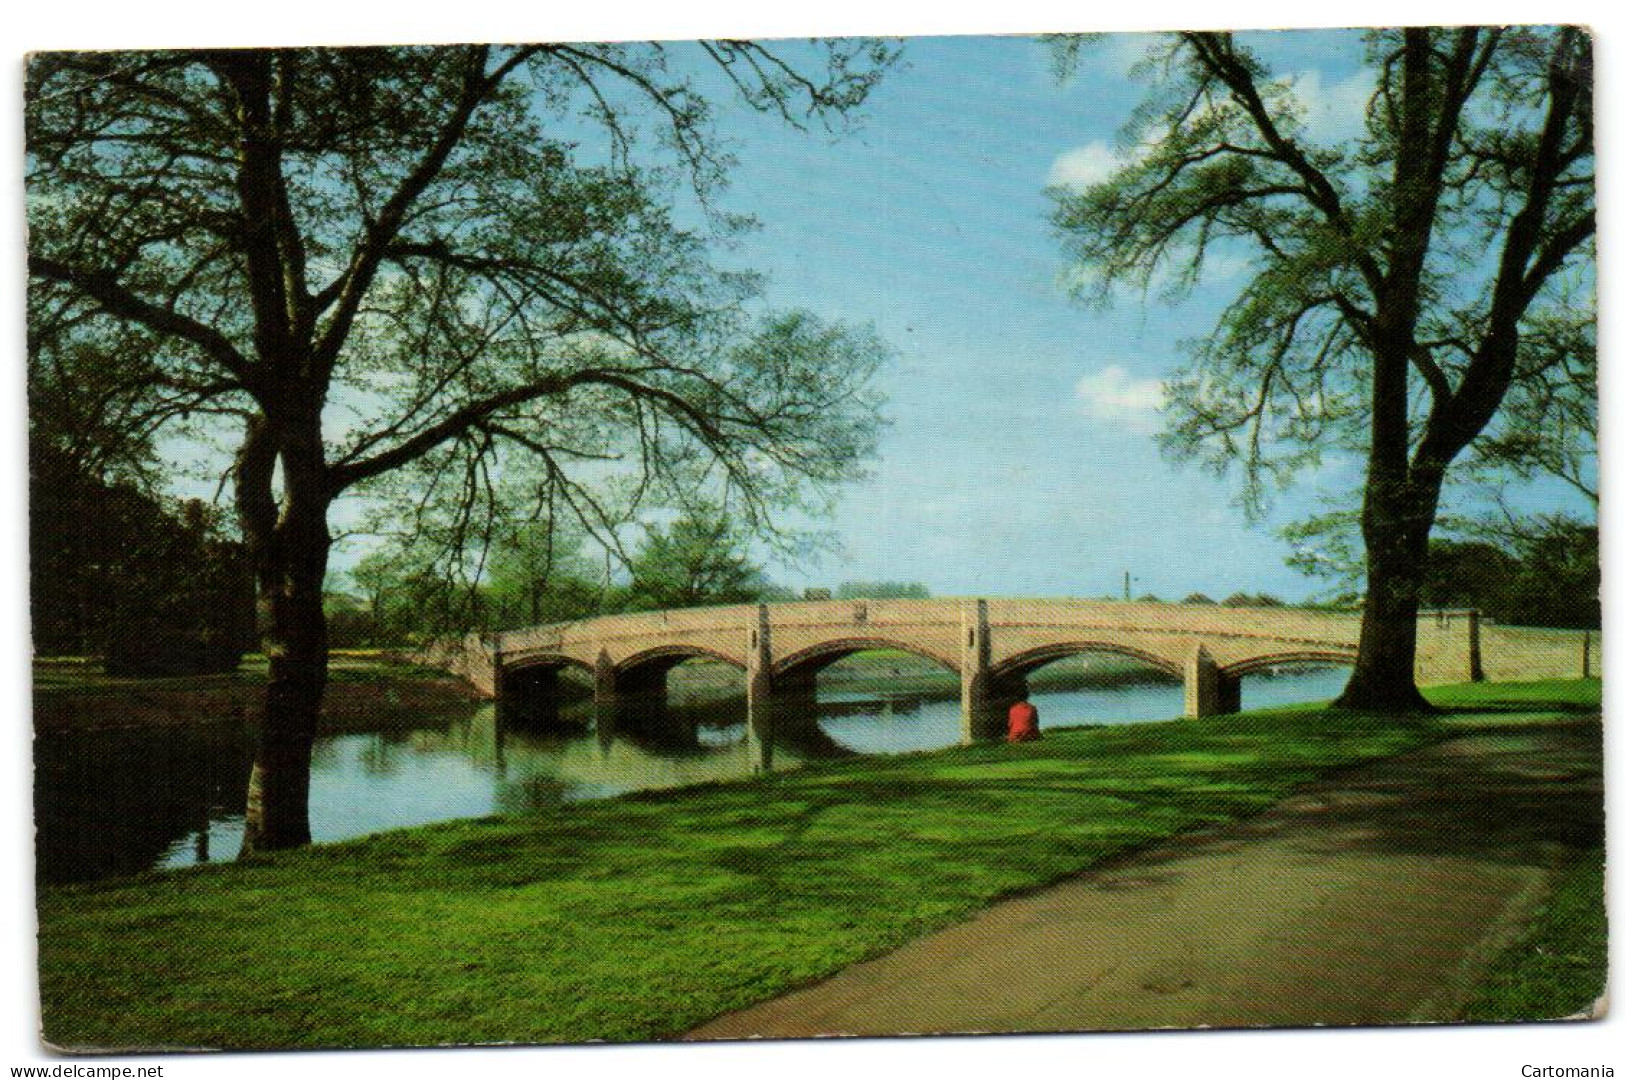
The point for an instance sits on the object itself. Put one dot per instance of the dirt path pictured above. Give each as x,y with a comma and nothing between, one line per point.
1374,897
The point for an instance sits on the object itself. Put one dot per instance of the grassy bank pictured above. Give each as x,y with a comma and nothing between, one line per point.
364,690
639,917
1560,966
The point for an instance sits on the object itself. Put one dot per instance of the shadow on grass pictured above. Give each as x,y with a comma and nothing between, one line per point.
1522,797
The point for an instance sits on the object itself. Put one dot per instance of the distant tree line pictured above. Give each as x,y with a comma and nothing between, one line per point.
1235,599
540,572
882,590
1547,576
1522,571
152,586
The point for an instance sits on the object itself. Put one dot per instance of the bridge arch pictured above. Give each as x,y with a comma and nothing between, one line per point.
1255,664
1024,663
543,660
665,657
532,690
813,659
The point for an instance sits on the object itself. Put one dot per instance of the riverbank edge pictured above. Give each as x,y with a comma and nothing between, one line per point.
382,689
517,930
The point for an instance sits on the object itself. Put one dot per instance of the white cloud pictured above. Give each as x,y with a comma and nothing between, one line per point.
1334,111
1085,166
1122,53
1112,394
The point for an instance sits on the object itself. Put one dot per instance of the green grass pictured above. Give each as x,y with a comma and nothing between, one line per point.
1571,694
1560,966
640,917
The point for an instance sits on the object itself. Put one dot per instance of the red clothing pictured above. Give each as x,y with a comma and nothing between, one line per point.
1023,722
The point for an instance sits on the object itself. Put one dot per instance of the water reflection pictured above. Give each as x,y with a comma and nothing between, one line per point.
113,803
118,802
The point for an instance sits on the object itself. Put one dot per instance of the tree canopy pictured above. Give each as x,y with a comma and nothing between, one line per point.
422,238
701,558
403,271
1395,281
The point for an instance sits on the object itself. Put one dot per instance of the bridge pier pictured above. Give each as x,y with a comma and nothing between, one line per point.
979,712
603,698
634,703
759,703
1208,691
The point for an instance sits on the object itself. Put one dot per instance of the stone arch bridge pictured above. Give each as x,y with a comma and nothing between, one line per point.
991,644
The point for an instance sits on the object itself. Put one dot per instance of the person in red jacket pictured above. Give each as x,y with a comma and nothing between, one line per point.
1023,721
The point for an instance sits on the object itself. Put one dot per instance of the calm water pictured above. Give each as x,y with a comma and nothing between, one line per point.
112,803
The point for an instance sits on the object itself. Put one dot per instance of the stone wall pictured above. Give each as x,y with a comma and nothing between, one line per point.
1522,653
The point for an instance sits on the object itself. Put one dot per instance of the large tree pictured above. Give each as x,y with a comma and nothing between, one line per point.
423,262
701,558
1393,276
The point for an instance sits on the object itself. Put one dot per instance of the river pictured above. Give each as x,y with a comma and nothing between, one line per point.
110,803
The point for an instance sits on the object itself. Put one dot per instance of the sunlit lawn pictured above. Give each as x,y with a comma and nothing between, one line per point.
640,917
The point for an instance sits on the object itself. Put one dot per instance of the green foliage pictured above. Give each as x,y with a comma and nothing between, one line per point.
1561,575
1327,546
1198,598
1468,574
1548,426
701,558
882,590
152,588
538,572
1543,571
703,900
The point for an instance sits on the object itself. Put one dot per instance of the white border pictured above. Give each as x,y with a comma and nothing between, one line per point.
1399,1053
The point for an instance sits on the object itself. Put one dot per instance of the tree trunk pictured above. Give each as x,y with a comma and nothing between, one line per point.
290,543
1398,514
1397,525
1384,676
296,644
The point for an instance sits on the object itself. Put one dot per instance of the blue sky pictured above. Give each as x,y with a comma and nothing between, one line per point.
1021,457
